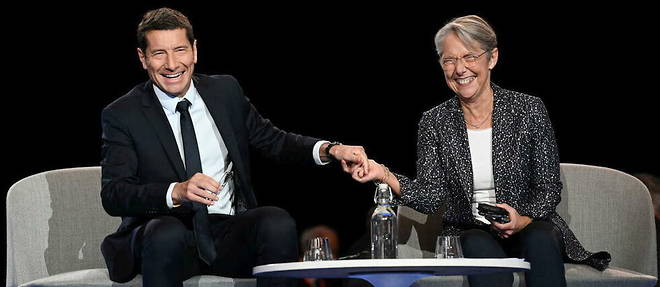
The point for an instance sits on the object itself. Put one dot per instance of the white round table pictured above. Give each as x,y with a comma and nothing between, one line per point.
390,272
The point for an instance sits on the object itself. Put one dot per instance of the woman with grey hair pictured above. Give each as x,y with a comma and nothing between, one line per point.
489,145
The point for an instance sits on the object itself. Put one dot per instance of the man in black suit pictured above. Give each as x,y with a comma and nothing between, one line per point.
176,169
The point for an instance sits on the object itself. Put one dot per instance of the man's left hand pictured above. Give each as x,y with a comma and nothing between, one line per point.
351,157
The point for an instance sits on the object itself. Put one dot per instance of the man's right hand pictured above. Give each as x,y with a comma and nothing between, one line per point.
200,188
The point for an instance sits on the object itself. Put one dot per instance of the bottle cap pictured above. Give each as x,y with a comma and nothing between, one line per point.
383,194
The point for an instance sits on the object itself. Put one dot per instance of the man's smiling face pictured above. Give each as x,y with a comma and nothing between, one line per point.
169,59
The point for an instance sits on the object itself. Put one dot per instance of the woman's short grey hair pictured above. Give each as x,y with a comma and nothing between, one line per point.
472,30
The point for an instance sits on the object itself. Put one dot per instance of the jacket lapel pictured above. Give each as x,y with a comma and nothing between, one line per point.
220,115
461,150
499,126
154,113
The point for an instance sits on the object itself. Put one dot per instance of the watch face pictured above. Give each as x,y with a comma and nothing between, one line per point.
330,145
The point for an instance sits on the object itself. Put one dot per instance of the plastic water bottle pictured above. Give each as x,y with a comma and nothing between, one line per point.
383,225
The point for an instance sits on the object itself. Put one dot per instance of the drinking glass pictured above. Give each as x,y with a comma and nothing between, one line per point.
448,247
317,249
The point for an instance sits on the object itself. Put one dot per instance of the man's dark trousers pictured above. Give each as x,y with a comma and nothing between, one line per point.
168,256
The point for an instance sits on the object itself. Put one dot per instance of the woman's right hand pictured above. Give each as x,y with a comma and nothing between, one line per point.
376,172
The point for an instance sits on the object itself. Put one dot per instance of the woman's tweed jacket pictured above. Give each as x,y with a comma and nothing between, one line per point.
525,167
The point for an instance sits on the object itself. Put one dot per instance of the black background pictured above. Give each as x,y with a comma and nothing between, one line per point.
359,74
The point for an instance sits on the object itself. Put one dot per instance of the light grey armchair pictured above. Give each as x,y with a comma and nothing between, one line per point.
55,225
606,209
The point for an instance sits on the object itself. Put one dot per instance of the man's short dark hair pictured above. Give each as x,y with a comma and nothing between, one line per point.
162,19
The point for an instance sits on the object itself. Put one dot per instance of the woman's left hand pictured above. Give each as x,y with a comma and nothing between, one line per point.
517,223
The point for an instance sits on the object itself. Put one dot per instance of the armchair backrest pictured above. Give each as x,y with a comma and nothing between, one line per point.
417,233
55,224
607,210
610,210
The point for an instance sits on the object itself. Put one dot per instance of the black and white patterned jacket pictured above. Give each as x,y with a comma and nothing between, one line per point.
525,167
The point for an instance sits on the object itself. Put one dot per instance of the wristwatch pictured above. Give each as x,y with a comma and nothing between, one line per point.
327,149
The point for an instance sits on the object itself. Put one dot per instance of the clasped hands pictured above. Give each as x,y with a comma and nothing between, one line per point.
354,161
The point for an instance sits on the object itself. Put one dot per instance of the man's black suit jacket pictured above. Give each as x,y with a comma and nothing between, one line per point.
141,158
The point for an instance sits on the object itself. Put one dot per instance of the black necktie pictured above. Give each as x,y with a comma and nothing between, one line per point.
205,247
